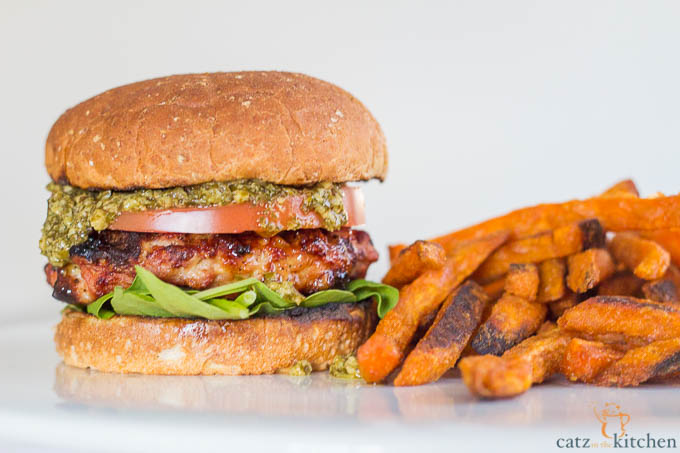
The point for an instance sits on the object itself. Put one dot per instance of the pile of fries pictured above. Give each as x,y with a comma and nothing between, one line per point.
587,288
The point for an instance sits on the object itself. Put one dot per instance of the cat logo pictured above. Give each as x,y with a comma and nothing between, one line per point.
613,420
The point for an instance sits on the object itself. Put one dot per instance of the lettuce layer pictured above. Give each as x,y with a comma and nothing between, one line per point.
150,296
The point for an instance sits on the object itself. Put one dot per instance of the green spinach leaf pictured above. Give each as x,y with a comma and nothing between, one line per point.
150,296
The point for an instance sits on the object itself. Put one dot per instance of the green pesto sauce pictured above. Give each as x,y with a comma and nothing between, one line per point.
300,368
345,367
73,213
286,289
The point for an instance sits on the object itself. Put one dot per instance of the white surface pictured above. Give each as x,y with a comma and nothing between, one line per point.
43,402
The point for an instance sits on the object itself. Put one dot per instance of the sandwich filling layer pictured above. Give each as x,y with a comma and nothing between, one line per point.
293,263
227,250
74,213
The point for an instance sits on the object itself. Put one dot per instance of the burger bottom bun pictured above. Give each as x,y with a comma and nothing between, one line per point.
175,346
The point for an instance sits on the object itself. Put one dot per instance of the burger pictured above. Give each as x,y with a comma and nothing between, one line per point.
205,224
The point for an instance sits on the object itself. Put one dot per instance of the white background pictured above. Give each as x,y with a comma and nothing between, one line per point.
487,105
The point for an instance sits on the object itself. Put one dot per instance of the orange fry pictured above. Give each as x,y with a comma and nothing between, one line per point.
669,239
415,259
546,327
490,376
561,242
552,286
587,269
620,320
530,362
558,307
583,360
669,280
662,290
647,259
395,250
522,281
638,365
620,284
543,351
495,289
673,274
443,343
385,349
622,189
615,214
512,320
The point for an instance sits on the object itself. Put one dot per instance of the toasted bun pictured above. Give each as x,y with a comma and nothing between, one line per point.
263,345
189,129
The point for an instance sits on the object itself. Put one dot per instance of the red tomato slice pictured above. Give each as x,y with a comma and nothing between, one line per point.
235,218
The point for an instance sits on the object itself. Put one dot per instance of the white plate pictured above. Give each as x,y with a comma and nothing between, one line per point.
43,402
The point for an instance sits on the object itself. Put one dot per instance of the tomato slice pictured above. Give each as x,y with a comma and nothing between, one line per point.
235,218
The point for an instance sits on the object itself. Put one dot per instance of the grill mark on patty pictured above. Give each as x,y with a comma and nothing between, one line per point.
115,248
311,260
62,289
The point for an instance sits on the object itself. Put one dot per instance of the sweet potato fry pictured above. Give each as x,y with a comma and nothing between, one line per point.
615,214
638,365
587,269
620,284
583,360
669,239
443,343
552,286
546,327
415,259
490,376
663,290
512,320
385,349
495,289
660,290
670,378
647,259
561,242
543,351
622,189
530,362
558,307
394,251
522,281
620,320
673,274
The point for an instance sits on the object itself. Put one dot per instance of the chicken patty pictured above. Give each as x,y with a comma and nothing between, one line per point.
309,260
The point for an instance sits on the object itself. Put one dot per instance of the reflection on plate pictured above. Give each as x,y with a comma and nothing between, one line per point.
273,395
321,395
